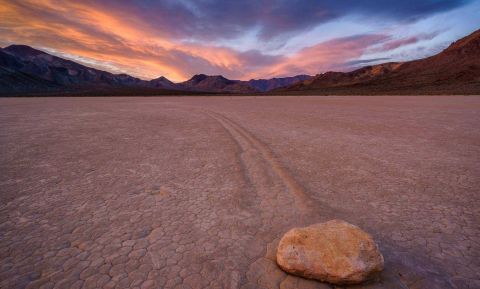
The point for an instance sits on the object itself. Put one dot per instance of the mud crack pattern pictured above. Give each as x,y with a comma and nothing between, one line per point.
196,192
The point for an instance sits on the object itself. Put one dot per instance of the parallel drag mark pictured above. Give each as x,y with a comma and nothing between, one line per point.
248,140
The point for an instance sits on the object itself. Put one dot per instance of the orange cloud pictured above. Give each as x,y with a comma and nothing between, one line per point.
96,36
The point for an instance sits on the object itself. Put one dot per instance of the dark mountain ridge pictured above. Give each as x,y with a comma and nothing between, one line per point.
25,70
216,83
273,83
62,71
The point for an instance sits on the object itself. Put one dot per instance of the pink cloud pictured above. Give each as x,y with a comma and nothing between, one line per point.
334,54
394,44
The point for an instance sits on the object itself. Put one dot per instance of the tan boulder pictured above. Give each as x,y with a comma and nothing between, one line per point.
335,252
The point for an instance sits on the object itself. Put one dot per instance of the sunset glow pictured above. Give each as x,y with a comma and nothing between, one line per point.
240,40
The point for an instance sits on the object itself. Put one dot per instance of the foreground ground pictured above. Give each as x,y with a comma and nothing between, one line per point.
195,192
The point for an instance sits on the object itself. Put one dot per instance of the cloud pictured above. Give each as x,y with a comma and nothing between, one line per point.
334,54
219,19
179,38
394,44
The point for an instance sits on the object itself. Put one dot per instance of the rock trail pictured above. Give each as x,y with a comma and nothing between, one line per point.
253,151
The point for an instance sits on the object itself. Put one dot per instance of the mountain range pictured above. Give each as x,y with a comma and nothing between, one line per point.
28,71
456,70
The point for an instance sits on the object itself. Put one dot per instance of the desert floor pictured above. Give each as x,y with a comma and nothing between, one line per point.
195,192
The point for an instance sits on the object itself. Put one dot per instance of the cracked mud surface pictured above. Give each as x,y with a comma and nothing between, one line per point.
196,192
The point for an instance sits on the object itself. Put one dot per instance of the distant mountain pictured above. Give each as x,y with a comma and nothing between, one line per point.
25,70
216,83
455,70
273,83
163,82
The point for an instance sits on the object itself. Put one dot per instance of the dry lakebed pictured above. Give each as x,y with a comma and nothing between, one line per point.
196,192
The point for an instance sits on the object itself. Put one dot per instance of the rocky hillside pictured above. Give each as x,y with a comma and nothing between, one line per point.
62,71
454,70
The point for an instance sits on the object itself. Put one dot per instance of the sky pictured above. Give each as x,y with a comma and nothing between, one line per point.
238,39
